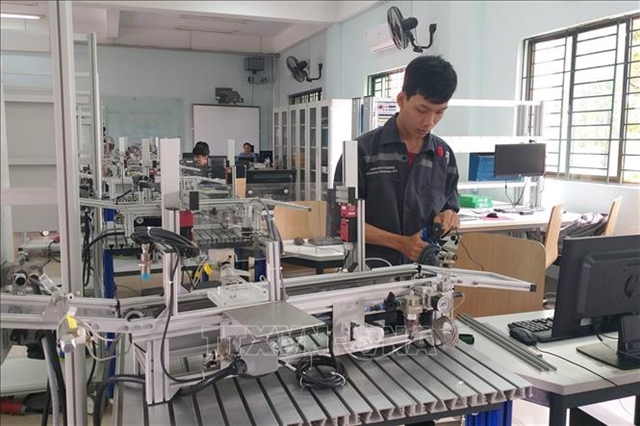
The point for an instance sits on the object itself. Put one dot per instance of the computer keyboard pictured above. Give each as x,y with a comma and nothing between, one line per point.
325,241
541,327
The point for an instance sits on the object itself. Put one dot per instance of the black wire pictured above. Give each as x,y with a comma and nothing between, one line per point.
336,379
93,365
509,198
97,410
459,239
47,406
585,368
50,256
236,367
615,350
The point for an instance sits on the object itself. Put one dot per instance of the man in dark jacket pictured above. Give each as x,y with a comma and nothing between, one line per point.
407,176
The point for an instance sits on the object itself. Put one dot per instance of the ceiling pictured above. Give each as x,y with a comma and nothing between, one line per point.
221,26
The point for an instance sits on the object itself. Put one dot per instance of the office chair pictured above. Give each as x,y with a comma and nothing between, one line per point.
610,226
552,235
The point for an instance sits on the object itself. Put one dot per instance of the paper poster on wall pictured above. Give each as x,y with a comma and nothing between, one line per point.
215,124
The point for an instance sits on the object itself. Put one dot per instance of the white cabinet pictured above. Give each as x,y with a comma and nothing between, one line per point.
308,138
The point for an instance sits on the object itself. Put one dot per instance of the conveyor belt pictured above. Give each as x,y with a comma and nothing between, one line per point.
456,380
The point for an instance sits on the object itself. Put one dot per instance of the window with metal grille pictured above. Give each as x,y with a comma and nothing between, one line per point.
386,85
305,97
589,80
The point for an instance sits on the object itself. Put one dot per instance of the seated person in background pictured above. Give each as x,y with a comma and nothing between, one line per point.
201,154
247,152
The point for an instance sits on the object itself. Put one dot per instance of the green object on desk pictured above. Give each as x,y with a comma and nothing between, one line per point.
475,201
467,338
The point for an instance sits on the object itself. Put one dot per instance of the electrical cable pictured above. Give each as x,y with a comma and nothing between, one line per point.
93,364
464,247
97,411
614,349
337,377
378,259
621,387
235,368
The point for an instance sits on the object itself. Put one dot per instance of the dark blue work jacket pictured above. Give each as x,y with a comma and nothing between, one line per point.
398,199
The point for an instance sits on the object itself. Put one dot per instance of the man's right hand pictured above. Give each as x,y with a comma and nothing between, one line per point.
413,246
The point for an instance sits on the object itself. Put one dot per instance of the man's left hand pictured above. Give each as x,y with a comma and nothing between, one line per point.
449,221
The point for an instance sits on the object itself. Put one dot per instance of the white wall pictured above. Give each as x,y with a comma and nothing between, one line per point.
190,76
595,197
484,42
312,50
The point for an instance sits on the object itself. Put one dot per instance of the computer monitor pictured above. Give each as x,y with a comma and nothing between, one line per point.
218,166
519,159
251,159
598,289
276,184
263,155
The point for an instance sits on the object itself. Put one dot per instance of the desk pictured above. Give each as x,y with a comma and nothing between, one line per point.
568,387
510,221
310,256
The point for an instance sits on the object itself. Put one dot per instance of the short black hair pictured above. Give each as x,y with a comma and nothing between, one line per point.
246,143
432,77
201,148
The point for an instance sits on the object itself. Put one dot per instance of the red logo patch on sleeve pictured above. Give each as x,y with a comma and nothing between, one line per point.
439,151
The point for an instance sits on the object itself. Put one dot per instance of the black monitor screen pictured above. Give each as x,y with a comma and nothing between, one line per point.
599,281
519,159
217,166
251,159
264,155
257,176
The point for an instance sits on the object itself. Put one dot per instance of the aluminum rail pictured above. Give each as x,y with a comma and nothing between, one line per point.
505,343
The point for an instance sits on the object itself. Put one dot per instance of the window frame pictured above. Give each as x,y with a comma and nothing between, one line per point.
619,108
306,97
383,78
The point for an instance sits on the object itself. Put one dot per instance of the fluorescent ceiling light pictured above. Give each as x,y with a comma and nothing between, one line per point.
206,30
212,18
19,16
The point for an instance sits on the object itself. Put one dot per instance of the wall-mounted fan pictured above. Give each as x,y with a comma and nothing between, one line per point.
402,30
298,70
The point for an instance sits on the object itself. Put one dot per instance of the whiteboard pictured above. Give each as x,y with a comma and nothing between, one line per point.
215,124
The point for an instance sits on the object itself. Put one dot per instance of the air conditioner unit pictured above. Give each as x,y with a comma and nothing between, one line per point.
379,38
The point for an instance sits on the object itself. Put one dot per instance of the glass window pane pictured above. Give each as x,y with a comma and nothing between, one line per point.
595,74
632,162
590,147
552,119
633,116
631,176
596,60
546,81
593,89
600,117
586,172
551,107
547,94
548,68
633,147
596,45
549,44
592,104
592,132
549,54
597,33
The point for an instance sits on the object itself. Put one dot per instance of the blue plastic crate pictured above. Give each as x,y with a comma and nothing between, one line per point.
481,168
